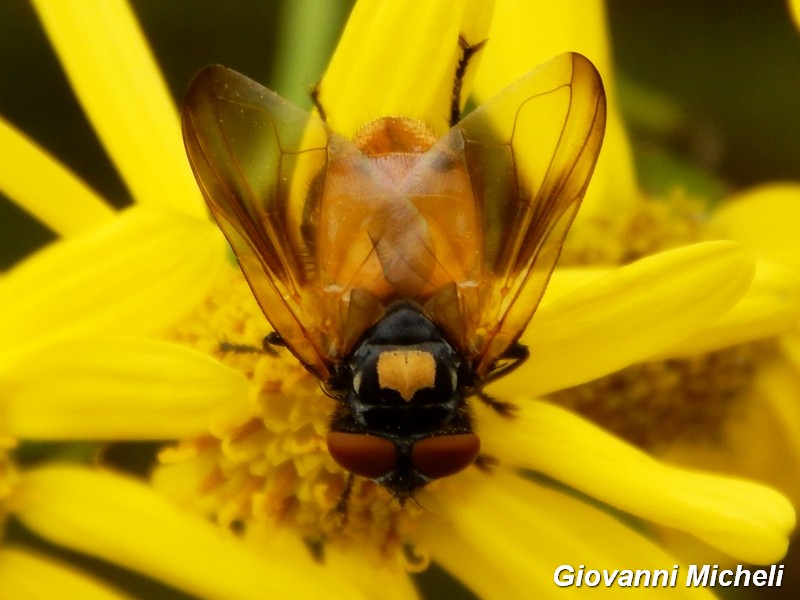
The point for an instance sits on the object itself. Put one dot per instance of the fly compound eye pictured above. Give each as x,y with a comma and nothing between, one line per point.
443,455
366,455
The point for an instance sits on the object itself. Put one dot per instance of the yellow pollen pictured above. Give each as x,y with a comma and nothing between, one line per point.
406,371
655,226
656,404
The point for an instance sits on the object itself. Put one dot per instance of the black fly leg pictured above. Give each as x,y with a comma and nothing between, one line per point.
486,462
467,52
315,91
504,409
270,340
234,348
340,510
267,346
512,358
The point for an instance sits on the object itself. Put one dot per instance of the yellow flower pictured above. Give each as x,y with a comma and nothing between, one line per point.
87,311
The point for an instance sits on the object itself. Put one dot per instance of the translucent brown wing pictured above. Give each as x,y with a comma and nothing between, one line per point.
529,153
257,159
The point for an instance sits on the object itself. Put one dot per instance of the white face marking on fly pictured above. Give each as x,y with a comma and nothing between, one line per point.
406,371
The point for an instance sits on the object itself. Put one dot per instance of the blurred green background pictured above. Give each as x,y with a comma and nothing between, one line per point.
710,91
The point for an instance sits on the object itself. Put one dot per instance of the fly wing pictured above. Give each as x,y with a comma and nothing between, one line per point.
258,161
530,152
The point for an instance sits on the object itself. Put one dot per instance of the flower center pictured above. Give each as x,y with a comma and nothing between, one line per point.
655,225
655,404
272,467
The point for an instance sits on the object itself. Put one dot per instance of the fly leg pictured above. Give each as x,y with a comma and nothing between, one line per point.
268,344
467,52
512,358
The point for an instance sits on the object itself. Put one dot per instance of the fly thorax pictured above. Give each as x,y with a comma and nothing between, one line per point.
415,383
404,375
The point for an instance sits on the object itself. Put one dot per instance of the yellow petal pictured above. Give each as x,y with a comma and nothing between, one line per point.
508,537
770,307
397,58
790,344
628,315
566,280
775,392
765,220
525,34
383,581
135,276
119,389
123,521
45,188
118,83
29,576
794,8
743,519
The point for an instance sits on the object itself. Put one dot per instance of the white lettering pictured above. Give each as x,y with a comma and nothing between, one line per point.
564,576
626,579
674,577
592,578
697,577
723,577
711,575
740,570
658,573
608,578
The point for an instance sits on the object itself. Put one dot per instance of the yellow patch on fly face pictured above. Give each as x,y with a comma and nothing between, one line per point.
406,371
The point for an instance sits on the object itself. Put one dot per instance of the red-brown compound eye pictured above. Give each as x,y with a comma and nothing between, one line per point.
365,455
444,455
